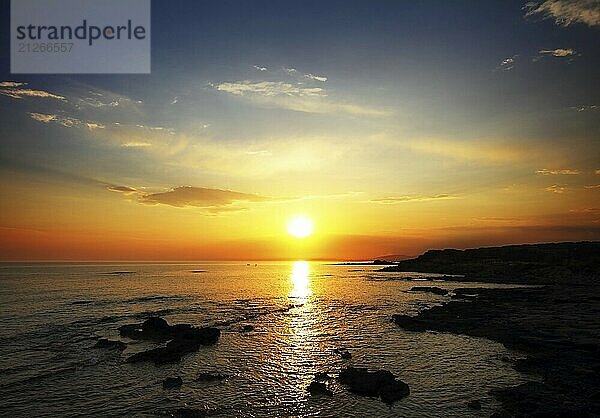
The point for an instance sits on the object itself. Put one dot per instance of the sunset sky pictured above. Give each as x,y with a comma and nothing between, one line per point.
394,126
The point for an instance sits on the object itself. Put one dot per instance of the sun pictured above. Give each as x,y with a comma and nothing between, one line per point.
300,227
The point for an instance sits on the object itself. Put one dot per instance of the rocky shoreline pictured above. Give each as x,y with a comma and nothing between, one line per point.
564,263
557,327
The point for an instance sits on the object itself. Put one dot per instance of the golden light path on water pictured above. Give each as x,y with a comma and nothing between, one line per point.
300,280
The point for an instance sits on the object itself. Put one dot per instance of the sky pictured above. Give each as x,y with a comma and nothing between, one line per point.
394,126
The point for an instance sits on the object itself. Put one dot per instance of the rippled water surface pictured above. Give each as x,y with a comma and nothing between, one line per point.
51,316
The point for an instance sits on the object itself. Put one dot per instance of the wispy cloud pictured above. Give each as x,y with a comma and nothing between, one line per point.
126,190
97,99
200,197
212,200
10,84
507,64
270,89
136,144
564,171
412,198
558,52
566,12
555,188
17,90
294,96
585,108
66,121
567,54
298,75
320,78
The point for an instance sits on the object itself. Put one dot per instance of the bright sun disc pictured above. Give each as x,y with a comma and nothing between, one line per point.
300,227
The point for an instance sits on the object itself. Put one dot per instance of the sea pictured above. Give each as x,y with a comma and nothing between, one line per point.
302,313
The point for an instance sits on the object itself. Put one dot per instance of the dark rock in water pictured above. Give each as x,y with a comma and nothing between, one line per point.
247,328
409,323
475,405
155,329
381,384
319,388
110,344
430,289
182,339
344,353
209,377
172,383
320,376
183,342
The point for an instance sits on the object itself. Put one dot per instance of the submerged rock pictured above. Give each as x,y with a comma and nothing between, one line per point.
110,344
182,339
319,388
344,353
172,383
430,289
382,384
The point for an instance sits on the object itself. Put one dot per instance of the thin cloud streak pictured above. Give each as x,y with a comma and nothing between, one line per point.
408,198
65,121
566,172
294,96
17,90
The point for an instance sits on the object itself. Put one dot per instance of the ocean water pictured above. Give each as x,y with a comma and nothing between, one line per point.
51,316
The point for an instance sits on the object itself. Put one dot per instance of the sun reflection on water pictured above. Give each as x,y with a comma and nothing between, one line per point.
300,280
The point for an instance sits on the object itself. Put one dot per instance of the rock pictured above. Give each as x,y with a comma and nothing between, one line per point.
381,384
475,405
344,353
172,383
409,323
320,376
182,339
319,388
186,341
247,328
209,377
154,328
430,289
110,344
